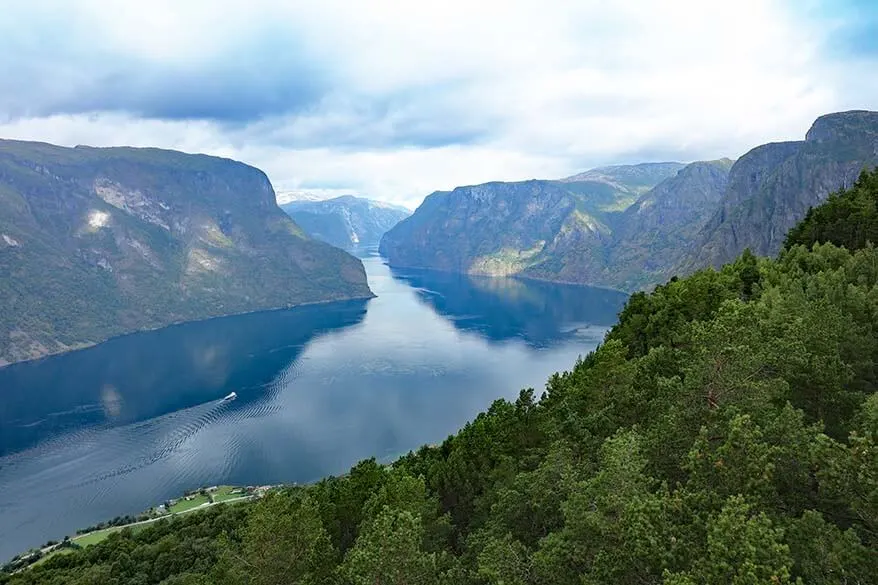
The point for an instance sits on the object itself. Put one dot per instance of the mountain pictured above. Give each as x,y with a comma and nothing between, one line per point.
655,232
288,196
631,227
640,177
625,182
725,432
773,186
96,242
346,221
564,230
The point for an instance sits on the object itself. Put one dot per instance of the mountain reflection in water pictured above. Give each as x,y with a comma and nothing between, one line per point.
126,424
542,314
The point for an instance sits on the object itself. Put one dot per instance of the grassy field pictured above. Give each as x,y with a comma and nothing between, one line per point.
224,493
100,535
185,505
96,536
56,552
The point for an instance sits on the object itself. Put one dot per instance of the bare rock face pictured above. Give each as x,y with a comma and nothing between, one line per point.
496,229
97,242
772,187
598,227
631,227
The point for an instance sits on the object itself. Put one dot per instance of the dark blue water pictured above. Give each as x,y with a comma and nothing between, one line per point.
119,427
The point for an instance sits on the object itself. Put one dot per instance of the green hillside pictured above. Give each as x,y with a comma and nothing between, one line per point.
97,242
726,432
848,218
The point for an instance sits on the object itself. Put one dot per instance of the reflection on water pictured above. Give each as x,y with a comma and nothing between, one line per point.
142,376
116,428
541,313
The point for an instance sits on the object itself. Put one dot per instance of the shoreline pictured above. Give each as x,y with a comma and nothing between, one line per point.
87,345
512,276
29,558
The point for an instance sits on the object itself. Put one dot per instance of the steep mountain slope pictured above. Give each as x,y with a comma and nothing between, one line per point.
508,228
347,220
654,233
623,183
492,229
566,231
591,228
726,432
773,186
95,242
847,219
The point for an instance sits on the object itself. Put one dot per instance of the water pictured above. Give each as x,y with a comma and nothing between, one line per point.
119,427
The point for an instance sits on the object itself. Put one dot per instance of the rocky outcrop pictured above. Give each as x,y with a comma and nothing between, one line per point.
611,227
346,221
772,187
113,240
551,230
654,234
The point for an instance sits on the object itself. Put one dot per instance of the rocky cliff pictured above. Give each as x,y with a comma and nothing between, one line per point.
631,227
654,233
346,221
564,230
772,187
96,242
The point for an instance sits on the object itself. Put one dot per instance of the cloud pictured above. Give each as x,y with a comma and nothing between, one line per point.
88,67
397,99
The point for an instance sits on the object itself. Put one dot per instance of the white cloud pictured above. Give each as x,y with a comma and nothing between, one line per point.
423,96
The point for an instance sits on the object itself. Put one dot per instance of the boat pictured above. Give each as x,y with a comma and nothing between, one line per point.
231,396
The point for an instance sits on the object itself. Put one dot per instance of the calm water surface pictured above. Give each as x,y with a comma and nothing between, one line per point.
119,427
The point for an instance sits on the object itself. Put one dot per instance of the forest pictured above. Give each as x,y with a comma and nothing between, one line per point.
725,432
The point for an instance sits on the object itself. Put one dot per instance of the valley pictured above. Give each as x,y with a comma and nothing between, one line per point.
347,221
457,293
722,430
318,388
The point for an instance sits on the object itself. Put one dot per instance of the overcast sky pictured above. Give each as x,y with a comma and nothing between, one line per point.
396,99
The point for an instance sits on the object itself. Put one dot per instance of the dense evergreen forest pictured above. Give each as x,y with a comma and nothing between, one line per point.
848,218
726,432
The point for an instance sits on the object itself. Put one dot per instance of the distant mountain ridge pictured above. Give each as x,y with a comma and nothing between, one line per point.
632,226
288,196
96,242
346,221
772,187
642,175
546,229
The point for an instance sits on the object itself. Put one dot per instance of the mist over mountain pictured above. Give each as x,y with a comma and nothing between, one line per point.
346,221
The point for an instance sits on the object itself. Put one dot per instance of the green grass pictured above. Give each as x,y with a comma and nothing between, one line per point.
54,553
185,505
224,493
96,536
101,535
